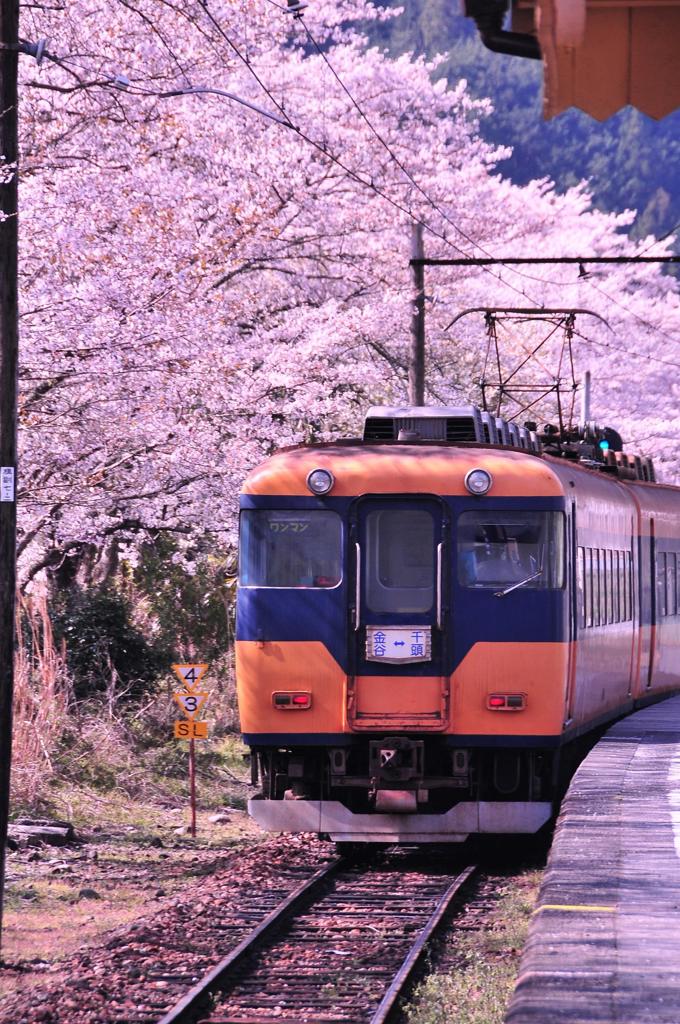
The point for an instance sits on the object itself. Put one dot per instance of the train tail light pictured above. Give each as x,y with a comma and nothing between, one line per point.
292,701
506,702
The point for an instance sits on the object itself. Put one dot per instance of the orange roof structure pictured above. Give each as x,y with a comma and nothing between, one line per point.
601,55
598,55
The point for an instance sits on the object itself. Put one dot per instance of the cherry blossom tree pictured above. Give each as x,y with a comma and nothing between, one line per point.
202,282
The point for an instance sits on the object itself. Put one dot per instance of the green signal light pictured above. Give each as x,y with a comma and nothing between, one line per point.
604,445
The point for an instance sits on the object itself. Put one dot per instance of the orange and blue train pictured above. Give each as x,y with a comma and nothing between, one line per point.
435,620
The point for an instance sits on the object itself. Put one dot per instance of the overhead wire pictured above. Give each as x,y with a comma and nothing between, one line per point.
286,121
353,174
396,159
644,357
650,437
393,156
673,230
631,312
122,83
405,170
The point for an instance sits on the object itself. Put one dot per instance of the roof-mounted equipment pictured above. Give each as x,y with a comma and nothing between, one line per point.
595,447
425,423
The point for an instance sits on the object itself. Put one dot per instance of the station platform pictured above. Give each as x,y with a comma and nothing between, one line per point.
604,943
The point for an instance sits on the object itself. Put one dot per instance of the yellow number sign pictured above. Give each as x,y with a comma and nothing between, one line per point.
191,703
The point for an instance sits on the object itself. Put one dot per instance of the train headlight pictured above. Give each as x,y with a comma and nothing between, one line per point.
320,481
478,481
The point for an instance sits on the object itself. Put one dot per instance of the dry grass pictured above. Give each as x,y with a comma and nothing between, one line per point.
40,701
478,989
49,907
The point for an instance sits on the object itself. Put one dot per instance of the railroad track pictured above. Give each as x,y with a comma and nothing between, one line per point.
339,950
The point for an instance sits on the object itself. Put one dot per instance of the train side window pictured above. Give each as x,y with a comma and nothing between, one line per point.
609,584
596,587
614,562
589,587
660,584
627,585
581,587
677,590
671,577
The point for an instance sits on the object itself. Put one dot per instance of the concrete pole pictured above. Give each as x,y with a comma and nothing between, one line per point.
416,366
585,400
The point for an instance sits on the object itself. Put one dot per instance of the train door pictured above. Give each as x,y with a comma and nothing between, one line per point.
399,643
655,611
576,609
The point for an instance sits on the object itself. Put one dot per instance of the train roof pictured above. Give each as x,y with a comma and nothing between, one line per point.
431,466
407,468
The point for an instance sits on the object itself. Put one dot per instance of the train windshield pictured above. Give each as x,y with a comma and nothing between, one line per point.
497,549
290,548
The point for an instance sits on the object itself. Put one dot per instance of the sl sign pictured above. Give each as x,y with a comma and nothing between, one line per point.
188,730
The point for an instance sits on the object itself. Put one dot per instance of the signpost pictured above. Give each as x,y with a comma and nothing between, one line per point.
191,701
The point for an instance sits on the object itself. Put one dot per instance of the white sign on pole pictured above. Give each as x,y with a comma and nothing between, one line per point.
6,483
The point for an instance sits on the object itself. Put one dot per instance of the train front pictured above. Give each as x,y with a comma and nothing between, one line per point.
402,654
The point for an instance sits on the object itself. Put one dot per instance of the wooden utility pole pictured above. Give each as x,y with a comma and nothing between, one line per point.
9,358
416,365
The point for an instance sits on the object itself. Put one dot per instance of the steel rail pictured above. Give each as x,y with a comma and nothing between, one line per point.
406,969
192,1003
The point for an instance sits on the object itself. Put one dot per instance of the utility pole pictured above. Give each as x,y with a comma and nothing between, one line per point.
585,400
9,359
416,363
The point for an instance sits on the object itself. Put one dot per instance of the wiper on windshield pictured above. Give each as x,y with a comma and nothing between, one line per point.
515,586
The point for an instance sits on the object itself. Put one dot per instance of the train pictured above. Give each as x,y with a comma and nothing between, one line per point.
435,620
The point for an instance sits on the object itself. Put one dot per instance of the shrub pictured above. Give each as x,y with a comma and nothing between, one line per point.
106,654
185,597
